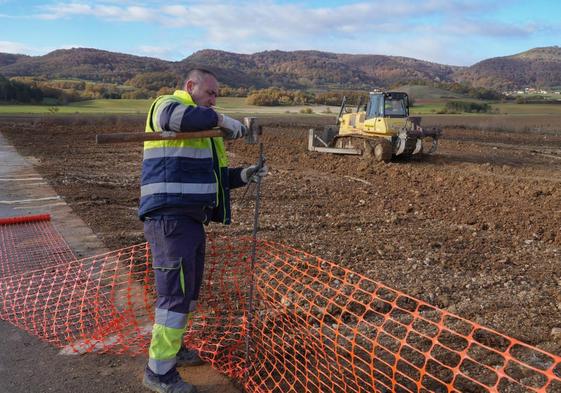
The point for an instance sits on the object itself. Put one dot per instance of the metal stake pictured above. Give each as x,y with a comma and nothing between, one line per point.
253,253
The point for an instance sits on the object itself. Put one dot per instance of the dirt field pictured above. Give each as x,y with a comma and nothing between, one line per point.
474,229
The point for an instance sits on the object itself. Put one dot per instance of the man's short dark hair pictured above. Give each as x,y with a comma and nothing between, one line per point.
198,73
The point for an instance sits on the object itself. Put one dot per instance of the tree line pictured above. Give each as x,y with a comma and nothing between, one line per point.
14,91
37,90
466,107
152,84
275,96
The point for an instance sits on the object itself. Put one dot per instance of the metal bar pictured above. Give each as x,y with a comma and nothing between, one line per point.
337,150
359,104
320,140
311,139
341,109
253,255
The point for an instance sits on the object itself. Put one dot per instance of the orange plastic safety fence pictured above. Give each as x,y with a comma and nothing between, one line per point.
316,327
29,243
323,328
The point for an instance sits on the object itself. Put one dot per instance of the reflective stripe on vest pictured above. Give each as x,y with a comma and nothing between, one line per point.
178,188
186,152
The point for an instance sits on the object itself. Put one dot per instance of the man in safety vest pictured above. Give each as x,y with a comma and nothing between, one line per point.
185,184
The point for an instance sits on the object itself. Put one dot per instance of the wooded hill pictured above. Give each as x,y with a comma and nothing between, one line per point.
539,67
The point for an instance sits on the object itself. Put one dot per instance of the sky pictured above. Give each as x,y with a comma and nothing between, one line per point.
453,32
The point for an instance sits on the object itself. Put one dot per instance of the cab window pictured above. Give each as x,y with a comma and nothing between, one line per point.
375,106
395,107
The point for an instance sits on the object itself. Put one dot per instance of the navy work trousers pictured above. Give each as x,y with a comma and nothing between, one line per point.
178,252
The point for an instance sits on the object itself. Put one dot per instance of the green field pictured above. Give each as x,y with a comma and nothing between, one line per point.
498,109
82,107
529,109
230,105
237,106
418,92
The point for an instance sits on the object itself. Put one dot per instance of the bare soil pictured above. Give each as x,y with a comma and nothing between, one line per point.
474,229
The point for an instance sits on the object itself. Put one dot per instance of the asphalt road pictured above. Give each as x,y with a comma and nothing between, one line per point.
28,365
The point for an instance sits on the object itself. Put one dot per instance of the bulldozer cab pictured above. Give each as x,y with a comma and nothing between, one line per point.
390,104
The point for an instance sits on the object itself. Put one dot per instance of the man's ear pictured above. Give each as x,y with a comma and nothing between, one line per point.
189,86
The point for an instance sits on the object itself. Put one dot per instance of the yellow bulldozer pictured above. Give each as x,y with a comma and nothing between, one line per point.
381,129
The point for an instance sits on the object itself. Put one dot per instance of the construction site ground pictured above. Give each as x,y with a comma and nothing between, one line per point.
474,229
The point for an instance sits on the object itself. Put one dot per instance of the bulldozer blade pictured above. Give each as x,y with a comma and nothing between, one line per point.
313,137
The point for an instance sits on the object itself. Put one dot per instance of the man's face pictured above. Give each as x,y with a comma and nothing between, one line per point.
203,90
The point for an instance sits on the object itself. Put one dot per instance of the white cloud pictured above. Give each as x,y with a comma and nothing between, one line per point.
157,51
108,12
485,28
270,14
23,48
430,29
13,47
62,10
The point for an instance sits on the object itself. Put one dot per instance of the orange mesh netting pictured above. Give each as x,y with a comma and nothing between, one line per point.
34,245
316,327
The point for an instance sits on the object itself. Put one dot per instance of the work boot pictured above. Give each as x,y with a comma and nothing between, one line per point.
170,382
188,357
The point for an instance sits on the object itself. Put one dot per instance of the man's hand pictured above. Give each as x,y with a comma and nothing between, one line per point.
233,128
251,173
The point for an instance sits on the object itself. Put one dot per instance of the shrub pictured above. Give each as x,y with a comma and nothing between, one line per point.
467,107
14,91
278,97
138,94
306,110
227,91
